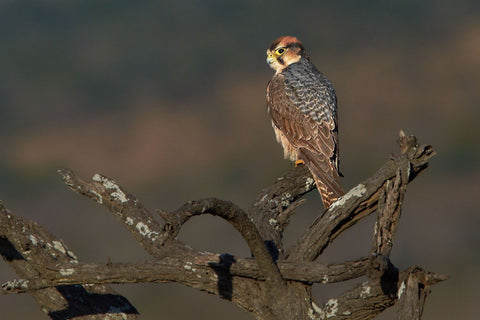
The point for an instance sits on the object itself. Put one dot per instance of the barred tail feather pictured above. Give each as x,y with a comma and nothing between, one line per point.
325,174
328,195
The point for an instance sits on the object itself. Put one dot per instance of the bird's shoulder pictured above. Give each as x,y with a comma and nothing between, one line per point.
304,74
309,90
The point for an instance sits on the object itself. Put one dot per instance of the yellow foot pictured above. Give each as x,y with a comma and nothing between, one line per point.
299,162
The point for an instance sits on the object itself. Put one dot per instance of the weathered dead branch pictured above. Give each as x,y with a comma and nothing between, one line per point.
31,250
271,285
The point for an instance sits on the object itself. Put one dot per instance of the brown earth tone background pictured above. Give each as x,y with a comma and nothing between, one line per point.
168,99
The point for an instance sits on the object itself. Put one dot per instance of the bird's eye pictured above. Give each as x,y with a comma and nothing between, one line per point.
280,51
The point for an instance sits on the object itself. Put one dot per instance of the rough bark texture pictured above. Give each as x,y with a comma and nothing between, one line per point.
274,284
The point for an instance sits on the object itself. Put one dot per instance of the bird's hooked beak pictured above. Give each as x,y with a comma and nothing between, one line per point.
270,58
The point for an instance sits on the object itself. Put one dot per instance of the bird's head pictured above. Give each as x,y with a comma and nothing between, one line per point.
284,51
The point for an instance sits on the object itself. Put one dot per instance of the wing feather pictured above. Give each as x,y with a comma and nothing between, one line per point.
315,140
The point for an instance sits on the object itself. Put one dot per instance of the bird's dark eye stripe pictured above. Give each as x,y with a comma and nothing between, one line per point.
294,45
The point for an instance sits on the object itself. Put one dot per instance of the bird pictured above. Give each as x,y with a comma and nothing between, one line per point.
303,107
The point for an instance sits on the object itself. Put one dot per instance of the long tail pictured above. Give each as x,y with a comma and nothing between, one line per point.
325,174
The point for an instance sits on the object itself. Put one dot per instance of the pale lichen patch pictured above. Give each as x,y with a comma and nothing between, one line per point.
286,196
143,228
331,308
309,184
285,199
273,223
325,279
58,246
275,202
356,192
66,272
117,194
15,284
316,308
33,239
365,291
188,266
401,290
73,256
145,231
98,196
259,202
315,312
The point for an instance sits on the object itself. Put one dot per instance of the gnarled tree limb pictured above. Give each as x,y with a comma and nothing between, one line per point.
172,270
30,250
358,203
240,221
271,285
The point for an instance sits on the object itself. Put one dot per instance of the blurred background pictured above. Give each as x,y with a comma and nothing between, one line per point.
168,99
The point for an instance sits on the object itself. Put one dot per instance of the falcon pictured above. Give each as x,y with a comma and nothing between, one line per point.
303,106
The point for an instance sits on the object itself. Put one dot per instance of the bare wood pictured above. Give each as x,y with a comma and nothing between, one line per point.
413,292
30,249
358,203
157,238
272,207
172,270
272,284
124,206
368,299
389,210
276,286
240,221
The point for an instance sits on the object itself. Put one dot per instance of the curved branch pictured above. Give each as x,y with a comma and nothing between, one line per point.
124,206
273,206
267,287
30,249
368,299
389,211
240,221
154,237
173,270
358,203
413,292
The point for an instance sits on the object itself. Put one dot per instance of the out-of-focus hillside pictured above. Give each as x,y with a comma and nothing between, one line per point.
168,98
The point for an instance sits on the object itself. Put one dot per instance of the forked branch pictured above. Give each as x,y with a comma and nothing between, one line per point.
271,285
